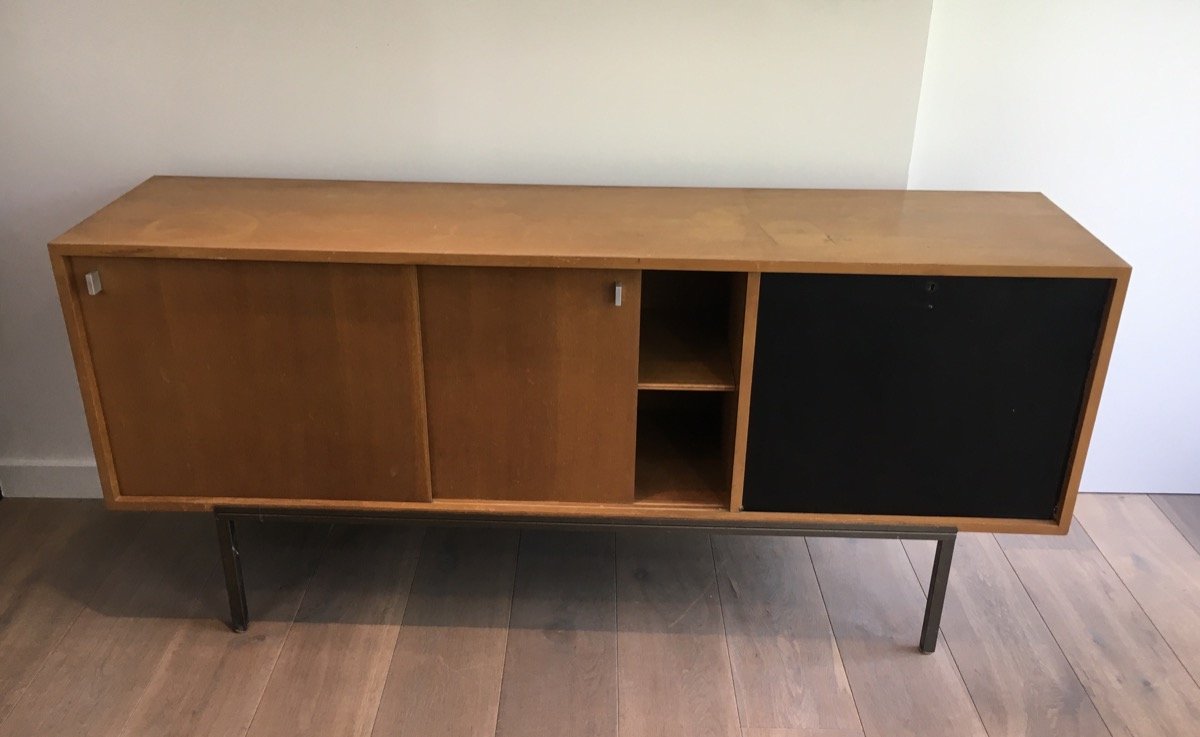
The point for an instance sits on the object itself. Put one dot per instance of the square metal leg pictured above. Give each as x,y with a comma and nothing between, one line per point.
231,564
937,594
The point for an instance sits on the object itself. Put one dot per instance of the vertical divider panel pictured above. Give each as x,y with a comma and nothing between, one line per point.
418,347
742,334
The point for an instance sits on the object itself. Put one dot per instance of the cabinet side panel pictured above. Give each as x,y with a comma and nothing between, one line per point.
259,380
531,382
68,296
1091,405
940,396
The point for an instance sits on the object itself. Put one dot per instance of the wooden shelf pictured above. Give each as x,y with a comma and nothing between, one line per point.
698,497
686,332
683,358
679,460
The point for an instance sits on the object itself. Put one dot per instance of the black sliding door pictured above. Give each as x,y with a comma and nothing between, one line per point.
955,396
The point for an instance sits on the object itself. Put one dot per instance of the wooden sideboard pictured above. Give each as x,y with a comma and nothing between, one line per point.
709,356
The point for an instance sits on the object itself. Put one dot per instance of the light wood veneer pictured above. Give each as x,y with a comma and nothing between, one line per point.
457,348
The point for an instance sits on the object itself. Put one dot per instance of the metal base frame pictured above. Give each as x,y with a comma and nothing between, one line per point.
235,584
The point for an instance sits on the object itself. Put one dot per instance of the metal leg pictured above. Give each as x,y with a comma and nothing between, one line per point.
945,537
937,593
231,563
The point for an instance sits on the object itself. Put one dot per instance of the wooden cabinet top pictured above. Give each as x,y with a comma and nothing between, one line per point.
834,231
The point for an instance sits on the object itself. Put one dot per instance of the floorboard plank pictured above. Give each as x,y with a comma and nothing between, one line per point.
1018,678
771,732
449,659
210,680
1136,682
57,556
1184,512
1157,564
560,666
787,670
673,667
95,674
16,535
331,671
876,606
113,624
34,534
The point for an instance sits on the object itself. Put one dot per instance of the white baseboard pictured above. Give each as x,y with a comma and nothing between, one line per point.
50,479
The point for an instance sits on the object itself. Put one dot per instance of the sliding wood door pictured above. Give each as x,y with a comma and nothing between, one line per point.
257,380
532,382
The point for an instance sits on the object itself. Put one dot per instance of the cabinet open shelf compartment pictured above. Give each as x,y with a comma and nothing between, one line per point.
686,324
682,449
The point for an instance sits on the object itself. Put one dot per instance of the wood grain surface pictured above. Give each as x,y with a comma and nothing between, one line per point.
1184,512
1155,562
532,383
251,380
95,674
681,360
114,624
845,231
260,341
673,674
560,666
787,669
209,684
743,335
773,732
875,604
340,645
54,556
1016,674
448,663
1130,672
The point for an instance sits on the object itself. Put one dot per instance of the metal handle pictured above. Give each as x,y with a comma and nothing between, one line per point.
617,294
92,279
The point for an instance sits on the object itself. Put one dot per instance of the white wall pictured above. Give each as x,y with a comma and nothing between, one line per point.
1096,103
95,96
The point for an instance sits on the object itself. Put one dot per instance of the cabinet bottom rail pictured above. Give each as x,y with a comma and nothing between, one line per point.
235,584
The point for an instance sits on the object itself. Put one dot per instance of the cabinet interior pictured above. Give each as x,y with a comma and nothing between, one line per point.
680,458
687,318
692,324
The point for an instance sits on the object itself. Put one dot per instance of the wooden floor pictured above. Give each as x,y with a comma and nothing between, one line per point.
113,624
